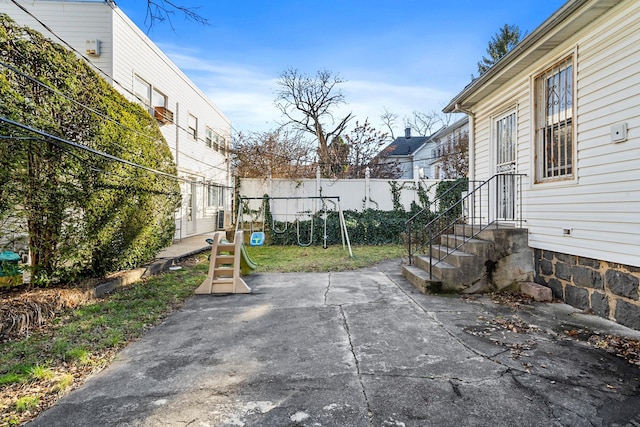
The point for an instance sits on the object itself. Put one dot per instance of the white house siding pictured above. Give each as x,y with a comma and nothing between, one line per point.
125,52
601,206
512,97
136,54
423,161
91,21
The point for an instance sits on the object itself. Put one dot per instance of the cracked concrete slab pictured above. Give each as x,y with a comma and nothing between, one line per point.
361,348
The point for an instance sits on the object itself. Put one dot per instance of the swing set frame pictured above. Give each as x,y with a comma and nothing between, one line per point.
335,200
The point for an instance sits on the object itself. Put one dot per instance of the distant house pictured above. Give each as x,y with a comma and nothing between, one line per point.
197,132
563,109
451,145
412,154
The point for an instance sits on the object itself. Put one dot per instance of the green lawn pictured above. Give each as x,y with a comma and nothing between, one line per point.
315,258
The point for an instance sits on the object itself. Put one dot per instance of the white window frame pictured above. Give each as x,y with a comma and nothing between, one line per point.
208,136
192,126
140,85
554,95
158,99
505,127
214,196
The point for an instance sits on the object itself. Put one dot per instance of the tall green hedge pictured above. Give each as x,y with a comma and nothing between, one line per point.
84,215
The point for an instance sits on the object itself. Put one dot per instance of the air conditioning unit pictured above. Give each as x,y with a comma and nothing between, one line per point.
220,220
163,115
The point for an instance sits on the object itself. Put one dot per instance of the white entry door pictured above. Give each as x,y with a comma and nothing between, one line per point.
505,146
191,208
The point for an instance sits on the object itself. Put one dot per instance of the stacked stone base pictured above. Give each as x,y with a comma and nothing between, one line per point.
610,290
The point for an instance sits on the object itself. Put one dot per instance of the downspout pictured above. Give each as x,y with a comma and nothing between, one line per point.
472,139
471,204
182,209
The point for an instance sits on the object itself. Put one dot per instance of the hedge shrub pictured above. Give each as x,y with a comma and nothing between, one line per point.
85,215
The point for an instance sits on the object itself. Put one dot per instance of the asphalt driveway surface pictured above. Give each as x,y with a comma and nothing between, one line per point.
360,348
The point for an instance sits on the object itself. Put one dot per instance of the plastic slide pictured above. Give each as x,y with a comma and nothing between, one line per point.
247,266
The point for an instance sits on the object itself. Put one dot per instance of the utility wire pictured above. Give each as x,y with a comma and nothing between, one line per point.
111,78
88,149
68,98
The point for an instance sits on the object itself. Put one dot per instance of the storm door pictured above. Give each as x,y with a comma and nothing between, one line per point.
505,131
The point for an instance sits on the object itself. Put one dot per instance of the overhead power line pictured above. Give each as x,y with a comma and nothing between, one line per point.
105,74
88,149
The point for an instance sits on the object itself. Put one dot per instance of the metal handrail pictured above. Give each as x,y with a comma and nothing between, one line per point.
409,223
455,214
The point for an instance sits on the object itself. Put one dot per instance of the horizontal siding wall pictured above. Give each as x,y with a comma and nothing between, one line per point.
125,52
509,98
135,54
92,21
602,208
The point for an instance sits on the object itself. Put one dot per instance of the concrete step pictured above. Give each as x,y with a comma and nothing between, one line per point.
452,277
483,249
454,257
421,279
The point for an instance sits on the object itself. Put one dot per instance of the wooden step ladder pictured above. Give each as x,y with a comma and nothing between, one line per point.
224,268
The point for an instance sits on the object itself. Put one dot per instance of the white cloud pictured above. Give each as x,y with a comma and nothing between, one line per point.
369,99
247,96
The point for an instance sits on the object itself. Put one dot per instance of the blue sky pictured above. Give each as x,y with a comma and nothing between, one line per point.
402,55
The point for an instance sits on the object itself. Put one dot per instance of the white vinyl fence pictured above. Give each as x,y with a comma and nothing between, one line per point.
353,194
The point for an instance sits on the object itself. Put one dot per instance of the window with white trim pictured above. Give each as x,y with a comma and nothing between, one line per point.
214,196
208,136
158,99
142,91
223,145
193,126
554,122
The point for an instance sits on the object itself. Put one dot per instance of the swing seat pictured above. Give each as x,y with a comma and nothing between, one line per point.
257,238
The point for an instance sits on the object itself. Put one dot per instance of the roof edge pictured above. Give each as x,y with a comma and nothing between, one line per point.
536,35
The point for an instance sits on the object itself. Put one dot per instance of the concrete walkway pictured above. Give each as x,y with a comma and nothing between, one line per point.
360,348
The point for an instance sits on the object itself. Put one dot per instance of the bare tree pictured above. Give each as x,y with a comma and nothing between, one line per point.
365,143
164,10
389,120
308,104
421,123
424,123
455,159
279,153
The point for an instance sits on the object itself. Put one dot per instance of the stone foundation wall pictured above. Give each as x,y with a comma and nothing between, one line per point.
610,290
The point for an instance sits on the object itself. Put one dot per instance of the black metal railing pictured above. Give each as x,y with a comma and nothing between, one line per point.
487,204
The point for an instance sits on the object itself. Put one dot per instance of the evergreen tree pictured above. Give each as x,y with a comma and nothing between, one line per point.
501,43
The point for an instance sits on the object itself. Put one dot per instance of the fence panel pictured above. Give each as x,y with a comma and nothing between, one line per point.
354,194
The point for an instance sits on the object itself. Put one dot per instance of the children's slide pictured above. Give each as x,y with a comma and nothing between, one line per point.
247,266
